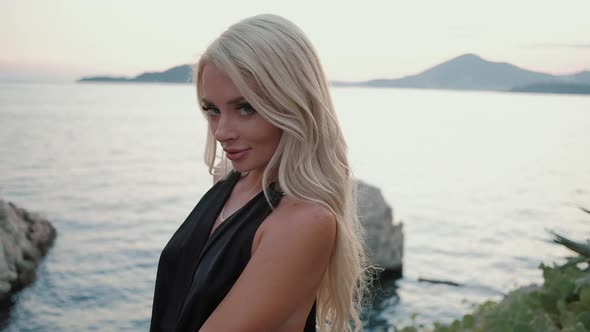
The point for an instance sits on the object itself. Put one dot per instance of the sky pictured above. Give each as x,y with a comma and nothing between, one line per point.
62,40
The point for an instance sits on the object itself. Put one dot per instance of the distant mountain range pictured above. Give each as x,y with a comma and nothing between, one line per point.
471,72
465,72
178,74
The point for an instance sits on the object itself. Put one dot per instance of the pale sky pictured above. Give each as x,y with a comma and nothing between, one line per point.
61,40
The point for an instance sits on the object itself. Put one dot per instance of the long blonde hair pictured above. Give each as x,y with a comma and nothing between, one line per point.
278,72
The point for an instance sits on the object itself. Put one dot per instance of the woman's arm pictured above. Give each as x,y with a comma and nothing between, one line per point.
285,269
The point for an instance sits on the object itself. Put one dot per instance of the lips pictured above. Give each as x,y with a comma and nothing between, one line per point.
235,154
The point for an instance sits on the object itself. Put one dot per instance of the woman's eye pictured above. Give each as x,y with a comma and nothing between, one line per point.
246,109
210,111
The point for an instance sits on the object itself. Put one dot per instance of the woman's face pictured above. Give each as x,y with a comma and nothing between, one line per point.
248,140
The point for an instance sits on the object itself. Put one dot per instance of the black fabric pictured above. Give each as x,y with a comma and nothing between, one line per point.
195,273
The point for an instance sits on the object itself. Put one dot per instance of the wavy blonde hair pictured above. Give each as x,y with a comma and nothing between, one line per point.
277,70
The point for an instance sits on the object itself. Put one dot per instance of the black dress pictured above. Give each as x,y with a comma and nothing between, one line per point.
196,272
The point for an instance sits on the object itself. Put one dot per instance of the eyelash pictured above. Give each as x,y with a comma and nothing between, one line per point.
245,106
209,109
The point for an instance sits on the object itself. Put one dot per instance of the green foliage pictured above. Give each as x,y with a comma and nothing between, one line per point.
561,304
579,247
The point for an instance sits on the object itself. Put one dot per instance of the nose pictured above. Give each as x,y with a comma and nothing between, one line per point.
225,129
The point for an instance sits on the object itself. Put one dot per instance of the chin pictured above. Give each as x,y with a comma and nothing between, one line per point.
242,167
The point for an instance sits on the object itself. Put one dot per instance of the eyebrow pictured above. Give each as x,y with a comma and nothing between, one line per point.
232,101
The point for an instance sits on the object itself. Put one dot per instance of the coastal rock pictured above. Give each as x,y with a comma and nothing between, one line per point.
384,238
25,237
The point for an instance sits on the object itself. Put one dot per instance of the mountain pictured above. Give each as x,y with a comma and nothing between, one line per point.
467,72
569,88
178,74
581,77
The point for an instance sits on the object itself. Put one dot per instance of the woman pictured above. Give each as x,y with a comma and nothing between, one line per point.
275,244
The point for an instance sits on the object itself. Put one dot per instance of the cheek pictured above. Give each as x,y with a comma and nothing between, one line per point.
277,137
273,138
269,136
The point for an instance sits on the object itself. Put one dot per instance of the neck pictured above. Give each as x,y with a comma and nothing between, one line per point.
253,179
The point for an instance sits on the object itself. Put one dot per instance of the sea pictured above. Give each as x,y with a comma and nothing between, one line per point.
476,178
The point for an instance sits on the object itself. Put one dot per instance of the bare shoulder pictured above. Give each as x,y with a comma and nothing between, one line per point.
284,273
299,208
303,218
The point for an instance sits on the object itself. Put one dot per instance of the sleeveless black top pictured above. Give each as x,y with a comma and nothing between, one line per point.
196,272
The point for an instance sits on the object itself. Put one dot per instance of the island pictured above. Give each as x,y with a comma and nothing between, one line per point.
178,74
465,72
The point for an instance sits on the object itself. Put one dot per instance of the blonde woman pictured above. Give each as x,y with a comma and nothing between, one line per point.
275,244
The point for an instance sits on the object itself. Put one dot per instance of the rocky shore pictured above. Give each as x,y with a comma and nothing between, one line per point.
25,238
385,239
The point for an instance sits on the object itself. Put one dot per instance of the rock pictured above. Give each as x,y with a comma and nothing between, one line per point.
25,237
385,239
